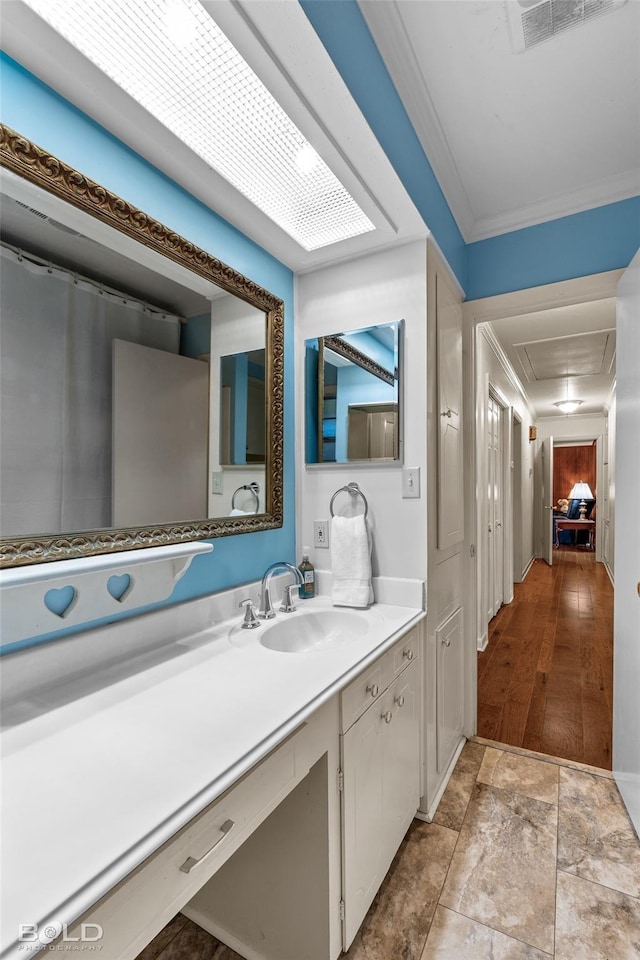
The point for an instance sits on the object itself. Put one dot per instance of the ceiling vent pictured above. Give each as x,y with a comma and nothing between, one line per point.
533,21
50,220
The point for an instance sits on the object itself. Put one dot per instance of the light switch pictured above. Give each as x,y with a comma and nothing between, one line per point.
410,483
216,481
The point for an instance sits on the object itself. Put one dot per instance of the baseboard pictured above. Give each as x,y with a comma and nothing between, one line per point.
483,642
527,568
609,573
431,812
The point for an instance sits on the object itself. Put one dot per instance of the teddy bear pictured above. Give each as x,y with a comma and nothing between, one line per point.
562,505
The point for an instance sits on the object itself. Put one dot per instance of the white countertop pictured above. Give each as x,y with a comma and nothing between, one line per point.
103,765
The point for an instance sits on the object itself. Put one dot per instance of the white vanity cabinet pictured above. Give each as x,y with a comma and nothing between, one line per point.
380,777
285,863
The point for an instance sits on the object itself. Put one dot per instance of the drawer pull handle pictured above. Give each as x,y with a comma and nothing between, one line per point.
191,862
373,689
408,654
446,641
387,717
400,700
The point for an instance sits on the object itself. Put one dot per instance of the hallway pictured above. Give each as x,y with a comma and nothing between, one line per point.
545,680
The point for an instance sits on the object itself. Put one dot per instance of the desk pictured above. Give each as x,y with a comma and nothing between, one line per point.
564,524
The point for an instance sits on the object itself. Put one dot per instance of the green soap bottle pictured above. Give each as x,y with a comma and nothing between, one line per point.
306,568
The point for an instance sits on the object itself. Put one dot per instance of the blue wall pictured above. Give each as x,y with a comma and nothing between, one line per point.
356,386
33,109
605,238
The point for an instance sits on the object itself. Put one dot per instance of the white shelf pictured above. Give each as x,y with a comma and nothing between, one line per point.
46,597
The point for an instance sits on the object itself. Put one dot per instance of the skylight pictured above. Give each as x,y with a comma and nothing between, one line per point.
171,57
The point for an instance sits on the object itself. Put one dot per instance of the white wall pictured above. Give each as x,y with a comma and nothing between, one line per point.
379,288
580,427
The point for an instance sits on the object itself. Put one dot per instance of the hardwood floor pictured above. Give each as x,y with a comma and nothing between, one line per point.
545,681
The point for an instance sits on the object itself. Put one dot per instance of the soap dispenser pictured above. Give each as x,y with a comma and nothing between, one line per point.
308,589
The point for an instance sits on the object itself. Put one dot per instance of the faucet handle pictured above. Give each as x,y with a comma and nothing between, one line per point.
250,621
291,593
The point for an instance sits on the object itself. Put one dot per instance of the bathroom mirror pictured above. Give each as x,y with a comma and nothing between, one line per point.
142,378
353,395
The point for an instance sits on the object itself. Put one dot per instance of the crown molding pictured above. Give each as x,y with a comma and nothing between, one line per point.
487,332
386,24
613,189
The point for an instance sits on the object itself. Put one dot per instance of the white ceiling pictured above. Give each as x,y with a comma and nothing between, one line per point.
567,351
516,139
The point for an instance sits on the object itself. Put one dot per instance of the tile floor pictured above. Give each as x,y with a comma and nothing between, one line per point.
528,858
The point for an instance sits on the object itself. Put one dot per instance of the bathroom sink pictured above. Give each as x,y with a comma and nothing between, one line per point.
302,632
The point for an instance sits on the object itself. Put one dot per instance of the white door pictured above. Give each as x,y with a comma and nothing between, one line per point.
626,644
450,450
363,817
381,764
450,678
495,497
547,500
160,436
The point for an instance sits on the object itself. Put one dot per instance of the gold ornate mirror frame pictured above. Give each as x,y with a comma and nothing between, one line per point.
41,168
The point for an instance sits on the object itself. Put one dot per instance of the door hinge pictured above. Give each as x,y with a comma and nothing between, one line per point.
472,550
342,909
340,780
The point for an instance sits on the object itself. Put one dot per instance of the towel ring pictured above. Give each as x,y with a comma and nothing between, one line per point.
354,490
253,488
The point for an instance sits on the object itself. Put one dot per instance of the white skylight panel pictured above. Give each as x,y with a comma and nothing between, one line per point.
172,58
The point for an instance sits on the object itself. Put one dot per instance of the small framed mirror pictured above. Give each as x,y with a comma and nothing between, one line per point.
353,390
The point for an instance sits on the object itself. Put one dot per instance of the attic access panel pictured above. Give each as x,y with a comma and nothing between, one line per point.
582,355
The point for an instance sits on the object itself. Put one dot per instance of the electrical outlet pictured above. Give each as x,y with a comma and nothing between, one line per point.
216,481
321,533
410,483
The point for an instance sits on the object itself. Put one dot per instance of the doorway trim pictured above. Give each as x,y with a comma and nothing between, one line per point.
599,286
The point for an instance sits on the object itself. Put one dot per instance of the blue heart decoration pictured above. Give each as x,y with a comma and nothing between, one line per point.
119,586
60,600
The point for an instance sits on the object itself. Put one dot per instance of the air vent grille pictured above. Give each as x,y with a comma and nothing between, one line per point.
36,213
54,223
534,21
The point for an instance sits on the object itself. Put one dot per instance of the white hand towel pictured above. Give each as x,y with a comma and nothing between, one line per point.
351,562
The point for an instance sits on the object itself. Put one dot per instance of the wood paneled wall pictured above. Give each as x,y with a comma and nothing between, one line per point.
572,464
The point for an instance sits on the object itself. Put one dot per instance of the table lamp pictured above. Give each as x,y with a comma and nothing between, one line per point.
581,491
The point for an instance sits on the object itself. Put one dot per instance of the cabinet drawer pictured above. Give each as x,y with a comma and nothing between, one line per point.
402,654
359,695
137,908
362,692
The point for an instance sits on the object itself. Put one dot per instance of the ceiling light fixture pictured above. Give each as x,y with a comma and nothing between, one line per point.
173,59
568,406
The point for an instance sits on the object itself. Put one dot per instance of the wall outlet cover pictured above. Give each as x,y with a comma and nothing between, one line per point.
321,533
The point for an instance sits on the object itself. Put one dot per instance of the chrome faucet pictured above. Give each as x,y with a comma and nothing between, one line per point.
266,611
